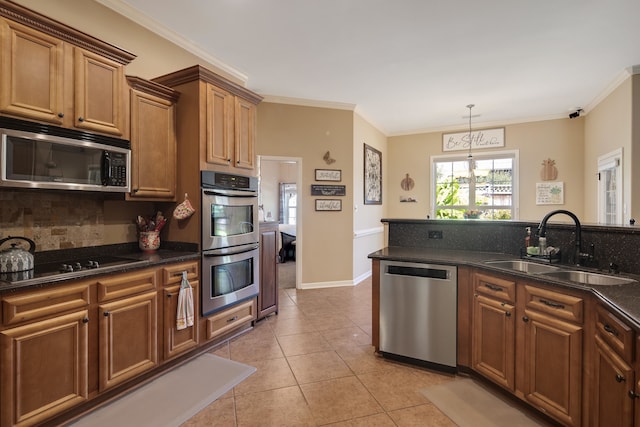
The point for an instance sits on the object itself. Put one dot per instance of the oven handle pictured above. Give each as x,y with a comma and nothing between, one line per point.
230,251
230,193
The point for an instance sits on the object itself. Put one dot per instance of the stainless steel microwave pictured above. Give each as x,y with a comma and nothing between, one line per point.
34,155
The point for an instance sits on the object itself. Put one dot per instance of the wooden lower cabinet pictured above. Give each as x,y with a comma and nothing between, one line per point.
494,341
493,337
614,388
127,338
232,318
530,340
614,378
44,368
177,342
268,297
552,366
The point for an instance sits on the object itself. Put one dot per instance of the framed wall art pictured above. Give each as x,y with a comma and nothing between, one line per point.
372,176
328,205
328,175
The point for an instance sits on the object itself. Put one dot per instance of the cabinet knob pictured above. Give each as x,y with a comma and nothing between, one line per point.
106,314
525,319
507,313
620,378
169,295
633,394
85,320
81,119
61,115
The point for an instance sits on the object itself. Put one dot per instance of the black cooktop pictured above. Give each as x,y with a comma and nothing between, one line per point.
68,268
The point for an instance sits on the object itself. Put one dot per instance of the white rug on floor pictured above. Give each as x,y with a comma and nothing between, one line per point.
174,397
469,404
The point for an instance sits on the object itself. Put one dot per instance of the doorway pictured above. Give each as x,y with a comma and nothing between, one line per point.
280,199
610,199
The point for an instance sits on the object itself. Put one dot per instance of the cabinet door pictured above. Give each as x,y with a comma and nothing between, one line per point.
614,379
268,297
219,125
553,366
153,147
31,77
245,134
493,340
43,368
128,338
179,341
99,93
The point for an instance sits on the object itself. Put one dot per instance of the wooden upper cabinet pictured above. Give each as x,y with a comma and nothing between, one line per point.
55,74
219,138
32,73
218,118
245,134
99,84
153,140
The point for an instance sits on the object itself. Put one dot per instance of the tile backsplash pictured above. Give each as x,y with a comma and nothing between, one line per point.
63,220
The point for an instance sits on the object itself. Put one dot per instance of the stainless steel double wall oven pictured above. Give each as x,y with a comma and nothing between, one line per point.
230,259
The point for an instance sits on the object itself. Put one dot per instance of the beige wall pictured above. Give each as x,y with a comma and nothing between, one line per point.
607,128
560,140
368,230
308,133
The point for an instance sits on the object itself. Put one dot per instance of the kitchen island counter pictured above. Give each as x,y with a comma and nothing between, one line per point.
625,298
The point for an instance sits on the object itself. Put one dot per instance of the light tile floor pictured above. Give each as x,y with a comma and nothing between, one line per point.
316,366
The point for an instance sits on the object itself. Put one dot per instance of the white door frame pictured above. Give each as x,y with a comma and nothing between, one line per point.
611,160
299,219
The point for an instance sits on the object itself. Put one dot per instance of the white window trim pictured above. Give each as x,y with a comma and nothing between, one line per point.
515,195
607,161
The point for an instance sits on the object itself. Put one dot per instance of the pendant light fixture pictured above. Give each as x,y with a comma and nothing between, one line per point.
472,175
470,106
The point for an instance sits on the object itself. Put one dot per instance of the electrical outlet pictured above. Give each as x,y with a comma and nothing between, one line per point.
435,234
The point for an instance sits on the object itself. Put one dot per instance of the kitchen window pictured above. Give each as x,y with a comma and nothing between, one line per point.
484,187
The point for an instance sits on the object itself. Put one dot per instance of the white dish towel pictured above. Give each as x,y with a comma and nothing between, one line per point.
184,317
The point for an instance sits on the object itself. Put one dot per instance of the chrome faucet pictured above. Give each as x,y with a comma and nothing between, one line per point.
542,232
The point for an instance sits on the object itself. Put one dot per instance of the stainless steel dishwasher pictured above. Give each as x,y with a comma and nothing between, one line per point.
418,313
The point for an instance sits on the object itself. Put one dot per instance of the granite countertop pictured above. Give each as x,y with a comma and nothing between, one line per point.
137,260
625,298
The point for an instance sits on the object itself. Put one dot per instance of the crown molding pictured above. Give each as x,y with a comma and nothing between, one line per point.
308,102
620,78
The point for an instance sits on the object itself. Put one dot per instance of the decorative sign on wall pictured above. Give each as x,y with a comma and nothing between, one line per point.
328,175
328,190
486,138
550,193
328,205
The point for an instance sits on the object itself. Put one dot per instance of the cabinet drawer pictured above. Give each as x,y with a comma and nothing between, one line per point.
615,332
227,320
32,305
122,285
560,305
172,274
494,287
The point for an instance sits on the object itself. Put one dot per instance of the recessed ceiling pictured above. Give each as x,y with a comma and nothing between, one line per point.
413,65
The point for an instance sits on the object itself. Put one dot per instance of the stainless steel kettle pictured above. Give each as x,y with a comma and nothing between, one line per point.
16,258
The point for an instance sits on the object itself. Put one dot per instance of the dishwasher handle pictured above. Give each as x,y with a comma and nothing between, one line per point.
430,273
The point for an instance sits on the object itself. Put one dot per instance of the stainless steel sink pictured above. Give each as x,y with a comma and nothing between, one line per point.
525,266
586,278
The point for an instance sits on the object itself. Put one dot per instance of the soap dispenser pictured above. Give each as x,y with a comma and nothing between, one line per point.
527,239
